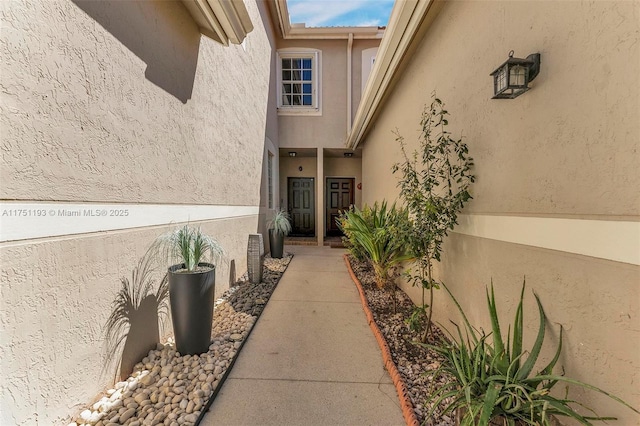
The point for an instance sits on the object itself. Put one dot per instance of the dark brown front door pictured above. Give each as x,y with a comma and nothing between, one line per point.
302,206
339,197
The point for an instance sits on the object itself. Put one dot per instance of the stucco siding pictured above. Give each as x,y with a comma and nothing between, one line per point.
56,297
567,149
122,103
329,129
103,103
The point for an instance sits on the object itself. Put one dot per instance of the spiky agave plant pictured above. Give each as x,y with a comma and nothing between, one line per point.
189,246
494,380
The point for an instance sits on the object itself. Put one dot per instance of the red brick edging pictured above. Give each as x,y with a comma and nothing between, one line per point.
401,388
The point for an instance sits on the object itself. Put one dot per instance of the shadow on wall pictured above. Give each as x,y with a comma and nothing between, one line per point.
161,33
134,324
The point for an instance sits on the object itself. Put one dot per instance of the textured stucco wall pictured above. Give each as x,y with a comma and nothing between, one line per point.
118,102
56,298
114,101
357,67
330,129
568,148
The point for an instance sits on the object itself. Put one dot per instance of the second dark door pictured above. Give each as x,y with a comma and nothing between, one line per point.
339,197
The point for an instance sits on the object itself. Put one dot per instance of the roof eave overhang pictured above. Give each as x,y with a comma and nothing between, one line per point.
408,22
225,21
300,31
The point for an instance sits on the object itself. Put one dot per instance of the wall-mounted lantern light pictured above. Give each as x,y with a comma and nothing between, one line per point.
512,78
292,153
348,154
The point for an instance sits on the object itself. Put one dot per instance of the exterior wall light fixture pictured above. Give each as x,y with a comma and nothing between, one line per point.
512,78
348,154
292,153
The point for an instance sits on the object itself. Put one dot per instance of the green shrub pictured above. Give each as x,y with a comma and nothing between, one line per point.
494,380
349,239
376,234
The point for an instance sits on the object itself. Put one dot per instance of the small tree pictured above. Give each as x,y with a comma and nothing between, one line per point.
434,187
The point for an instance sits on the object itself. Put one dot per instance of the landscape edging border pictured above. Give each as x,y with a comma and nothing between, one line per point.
403,394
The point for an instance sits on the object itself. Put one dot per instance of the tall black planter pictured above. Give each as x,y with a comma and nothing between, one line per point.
191,298
276,243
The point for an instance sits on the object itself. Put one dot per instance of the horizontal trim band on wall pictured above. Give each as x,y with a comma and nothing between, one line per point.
612,240
29,220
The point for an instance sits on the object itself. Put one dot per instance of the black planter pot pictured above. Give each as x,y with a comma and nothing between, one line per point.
276,243
191,298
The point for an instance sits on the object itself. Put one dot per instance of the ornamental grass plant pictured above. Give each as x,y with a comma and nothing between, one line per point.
187,245
281,223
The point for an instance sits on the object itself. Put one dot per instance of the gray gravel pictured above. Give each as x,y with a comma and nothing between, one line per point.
415,363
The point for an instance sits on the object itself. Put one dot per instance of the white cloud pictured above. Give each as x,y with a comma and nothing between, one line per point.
316,13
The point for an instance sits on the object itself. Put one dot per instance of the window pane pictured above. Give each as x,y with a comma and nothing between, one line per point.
297,81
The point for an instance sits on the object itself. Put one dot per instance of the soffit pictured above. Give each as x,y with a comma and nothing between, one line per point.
340,153
326,152
222,20
300,152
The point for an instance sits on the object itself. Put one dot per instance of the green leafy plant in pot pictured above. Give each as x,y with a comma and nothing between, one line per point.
279,227
192,256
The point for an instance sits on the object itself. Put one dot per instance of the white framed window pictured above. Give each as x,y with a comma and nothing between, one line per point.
299,78
270,179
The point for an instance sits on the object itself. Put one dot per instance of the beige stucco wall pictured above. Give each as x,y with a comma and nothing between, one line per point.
119,102
271,140
330,129
56,297
568,148
357,71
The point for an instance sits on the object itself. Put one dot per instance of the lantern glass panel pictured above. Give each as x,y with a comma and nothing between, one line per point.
501,79
517,76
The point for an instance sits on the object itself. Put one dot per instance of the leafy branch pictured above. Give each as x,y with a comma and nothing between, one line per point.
434,187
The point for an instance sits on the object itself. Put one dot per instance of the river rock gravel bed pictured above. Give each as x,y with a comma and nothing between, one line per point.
415,363
166,388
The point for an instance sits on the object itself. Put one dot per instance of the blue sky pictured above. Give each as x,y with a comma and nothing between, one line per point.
340,13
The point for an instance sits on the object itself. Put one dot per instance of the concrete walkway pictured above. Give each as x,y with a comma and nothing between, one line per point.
311,358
